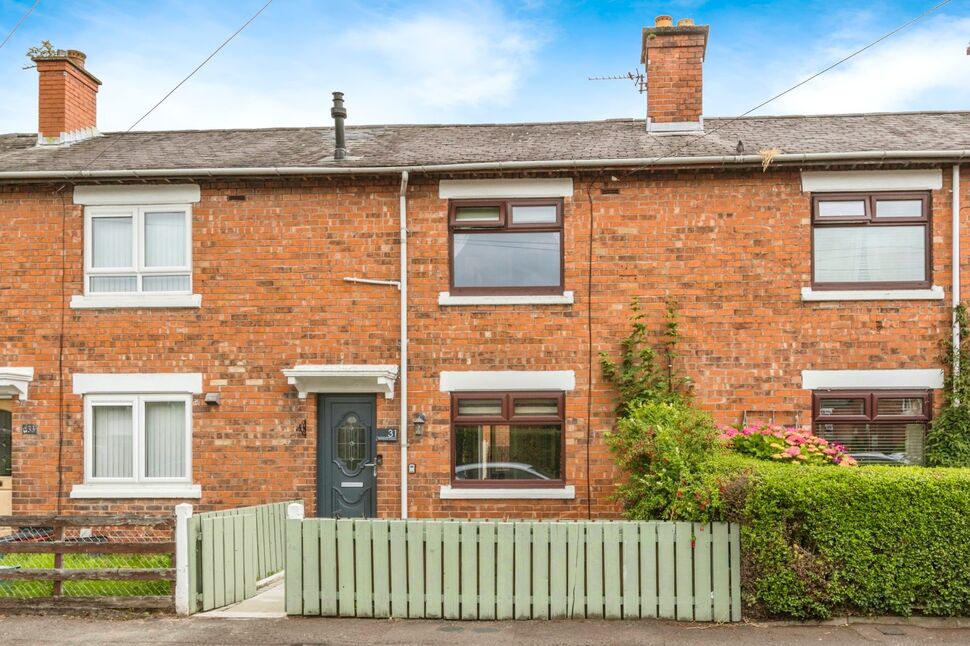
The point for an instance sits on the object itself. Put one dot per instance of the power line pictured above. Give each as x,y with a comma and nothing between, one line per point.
731,120
17,26
180,84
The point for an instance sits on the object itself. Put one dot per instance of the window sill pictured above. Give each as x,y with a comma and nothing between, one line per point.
525,493
934,293
136,491
566,298
85,302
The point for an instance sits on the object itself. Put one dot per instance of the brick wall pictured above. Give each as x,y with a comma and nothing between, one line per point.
732,248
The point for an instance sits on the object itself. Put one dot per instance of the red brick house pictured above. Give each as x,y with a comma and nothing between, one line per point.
409,323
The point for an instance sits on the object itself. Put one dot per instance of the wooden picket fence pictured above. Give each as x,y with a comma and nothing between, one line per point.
231,551
506,570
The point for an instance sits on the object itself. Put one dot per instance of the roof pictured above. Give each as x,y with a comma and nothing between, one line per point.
392,146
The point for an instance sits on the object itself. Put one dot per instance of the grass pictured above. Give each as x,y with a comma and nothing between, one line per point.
29,589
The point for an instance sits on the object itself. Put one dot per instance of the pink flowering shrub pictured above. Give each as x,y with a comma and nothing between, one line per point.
785,444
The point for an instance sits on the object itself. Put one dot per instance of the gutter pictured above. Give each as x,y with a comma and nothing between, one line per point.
646,162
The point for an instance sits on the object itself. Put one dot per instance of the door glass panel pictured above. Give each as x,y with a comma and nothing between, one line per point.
546,214
6,437
351,438
536,406
838,406
899,208
479,407
842,209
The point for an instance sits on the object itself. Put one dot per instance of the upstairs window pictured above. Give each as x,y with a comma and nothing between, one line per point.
506,246
876,427
507,439
871,240
138,250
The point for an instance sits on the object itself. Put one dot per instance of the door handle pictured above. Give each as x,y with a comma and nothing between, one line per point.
372,465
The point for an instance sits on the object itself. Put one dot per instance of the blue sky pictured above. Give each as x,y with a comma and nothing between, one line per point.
474,60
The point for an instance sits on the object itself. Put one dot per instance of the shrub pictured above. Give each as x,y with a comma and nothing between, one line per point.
664,448
785,444
874,540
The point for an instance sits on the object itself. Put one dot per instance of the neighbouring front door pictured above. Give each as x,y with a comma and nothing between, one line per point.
346,452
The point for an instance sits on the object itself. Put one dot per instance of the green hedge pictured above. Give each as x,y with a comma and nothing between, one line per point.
824,541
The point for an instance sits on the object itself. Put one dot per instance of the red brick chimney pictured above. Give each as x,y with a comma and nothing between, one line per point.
67,98
674,57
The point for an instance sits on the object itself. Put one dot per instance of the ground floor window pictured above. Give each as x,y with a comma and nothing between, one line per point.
137,438
507,439
881,427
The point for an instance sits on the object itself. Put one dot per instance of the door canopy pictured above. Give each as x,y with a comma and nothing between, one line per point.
340,378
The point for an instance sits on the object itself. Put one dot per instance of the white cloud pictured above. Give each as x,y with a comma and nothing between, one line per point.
469,58
924,67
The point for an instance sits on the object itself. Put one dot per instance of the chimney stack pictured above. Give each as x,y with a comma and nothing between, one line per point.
67,98
674,58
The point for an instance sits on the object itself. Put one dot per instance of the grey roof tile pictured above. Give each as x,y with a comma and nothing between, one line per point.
417,145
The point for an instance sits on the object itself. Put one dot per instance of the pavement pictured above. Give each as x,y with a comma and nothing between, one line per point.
165,629
269,603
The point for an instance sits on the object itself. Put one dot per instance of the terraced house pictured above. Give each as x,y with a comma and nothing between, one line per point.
404,320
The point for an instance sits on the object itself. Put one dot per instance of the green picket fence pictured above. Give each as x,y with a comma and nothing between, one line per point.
513,570
231,550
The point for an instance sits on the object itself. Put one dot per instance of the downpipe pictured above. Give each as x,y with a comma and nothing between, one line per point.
404,343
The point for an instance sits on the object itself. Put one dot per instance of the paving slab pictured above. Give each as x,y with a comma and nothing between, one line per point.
269,603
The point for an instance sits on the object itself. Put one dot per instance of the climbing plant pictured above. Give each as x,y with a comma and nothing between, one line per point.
642,373
948,441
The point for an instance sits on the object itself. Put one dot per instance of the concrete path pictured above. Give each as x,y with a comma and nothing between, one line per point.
269,603
27,629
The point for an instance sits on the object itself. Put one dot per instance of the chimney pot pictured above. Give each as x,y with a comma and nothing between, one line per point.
685,22
77,57
663,21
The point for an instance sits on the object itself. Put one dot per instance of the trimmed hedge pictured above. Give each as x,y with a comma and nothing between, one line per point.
822,541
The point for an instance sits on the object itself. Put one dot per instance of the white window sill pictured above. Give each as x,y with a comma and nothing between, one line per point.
566,298
525,493
86,302
136,491
934,293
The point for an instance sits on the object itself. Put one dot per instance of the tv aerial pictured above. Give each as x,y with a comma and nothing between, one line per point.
639,80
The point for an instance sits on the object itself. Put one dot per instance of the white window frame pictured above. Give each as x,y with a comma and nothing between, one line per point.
137,402
138,268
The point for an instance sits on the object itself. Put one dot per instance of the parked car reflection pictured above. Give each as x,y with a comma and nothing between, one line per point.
498,471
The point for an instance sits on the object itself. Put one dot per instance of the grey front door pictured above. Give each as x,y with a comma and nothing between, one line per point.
346,452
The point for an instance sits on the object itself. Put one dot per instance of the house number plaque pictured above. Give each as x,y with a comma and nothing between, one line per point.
387,434
28,429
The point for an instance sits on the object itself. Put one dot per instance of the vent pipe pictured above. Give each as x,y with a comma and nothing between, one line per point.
339,113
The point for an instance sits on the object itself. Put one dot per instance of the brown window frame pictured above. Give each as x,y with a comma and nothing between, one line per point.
508,418
872,398
871,220
505,224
